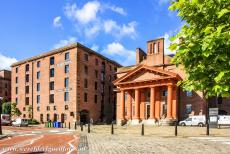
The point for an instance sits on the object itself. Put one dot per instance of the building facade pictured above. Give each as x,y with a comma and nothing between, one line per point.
147,92
69,84
5,85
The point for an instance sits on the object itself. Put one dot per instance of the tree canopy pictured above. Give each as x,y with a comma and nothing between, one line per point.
204,50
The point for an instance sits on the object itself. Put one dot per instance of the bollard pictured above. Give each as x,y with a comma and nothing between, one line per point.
88,127
176,128
142,130
75,125
112,131
81,127
69,125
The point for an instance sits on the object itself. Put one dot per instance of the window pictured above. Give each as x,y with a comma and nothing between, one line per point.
66,96
189,93
27,78
38,86
38,99
66,82
38,108
51,98
155,48
110,67
67,56
48,117
24,109
55,108
86,70
66,107
27,89
27,100
96,73
52,72
86,57
16,100
158,46
52,85
38,63
51,60
188,108
66,68
85,97
16,80
16,70
95,86
151,48
6,85
164,93
24,115
16,90
38,75
95,98
27,67
85,83
96,61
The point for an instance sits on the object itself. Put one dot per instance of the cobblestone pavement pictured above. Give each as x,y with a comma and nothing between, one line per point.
126,144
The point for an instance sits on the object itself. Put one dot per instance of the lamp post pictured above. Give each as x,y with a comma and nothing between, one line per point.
1,115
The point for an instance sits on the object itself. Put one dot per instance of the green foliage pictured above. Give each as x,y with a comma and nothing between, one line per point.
205,49
30,110
6,108
33,122
14,110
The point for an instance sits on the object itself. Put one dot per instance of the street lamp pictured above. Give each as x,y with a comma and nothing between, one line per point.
1,115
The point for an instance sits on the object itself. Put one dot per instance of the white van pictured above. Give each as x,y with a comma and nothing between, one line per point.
20,122
5,119
224,120
194,121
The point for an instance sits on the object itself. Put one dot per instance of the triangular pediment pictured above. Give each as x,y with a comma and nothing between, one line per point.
145,73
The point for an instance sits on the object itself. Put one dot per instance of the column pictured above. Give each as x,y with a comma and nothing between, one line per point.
169,102
157,104
122,106
142,104
152,103
174,104
129,105
137,104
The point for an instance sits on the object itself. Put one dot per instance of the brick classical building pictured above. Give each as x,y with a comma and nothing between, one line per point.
5,84
72,83
147,91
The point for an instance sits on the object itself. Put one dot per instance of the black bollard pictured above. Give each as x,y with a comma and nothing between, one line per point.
176,128
69,125
81,127
112,131
88,127
75,126
142,130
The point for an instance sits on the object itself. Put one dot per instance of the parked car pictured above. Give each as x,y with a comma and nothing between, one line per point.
20,122
5,119
224,120
193,121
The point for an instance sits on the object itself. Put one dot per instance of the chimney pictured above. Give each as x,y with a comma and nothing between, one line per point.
140,55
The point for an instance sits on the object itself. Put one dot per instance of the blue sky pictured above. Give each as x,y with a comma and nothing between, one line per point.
114,28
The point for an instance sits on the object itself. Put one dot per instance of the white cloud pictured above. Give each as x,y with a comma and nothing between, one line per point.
84,15
167,43
62,43
111,26
92,30
118,52
95,47
117,9
6,62
57,22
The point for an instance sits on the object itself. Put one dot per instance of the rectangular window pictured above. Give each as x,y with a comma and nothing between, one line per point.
96,73
52,85
95,86
48,109
48,117
38,99
16,80
189,93
38,63
95,98
51,98
85,97
85,83
27,67
164,93
86,70
27,100
38,75
67,56
16,100
52,72
155,48
66,82
96,61
27,77
188,108
16,90
16,70
38,108
86,57
27,89
51,60
66,97
66,68
55,108
38,86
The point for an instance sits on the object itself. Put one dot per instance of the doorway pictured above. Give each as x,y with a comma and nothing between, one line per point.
84,116
147,112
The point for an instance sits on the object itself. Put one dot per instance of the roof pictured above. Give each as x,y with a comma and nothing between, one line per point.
67,47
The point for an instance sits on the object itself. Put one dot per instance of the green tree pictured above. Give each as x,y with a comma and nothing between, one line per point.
6,108
30,110
204,51
14,110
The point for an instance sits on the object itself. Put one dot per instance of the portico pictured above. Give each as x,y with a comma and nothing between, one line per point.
147,95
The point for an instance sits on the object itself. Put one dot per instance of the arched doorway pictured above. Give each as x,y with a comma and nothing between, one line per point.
84,116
